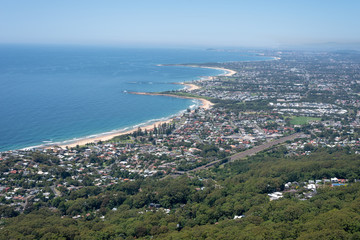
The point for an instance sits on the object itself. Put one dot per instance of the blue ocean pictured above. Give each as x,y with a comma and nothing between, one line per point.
52,94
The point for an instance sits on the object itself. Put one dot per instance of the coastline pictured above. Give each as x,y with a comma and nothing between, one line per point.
229,72
109,136
205,104
189,86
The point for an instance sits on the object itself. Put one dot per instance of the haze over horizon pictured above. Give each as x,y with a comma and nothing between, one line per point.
228,23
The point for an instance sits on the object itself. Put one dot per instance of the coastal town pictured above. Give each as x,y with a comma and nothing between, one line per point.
255,104
180,120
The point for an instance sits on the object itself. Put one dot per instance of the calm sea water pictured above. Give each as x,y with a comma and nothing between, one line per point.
53,94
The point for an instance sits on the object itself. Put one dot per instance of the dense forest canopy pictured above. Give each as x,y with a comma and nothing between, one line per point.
204,207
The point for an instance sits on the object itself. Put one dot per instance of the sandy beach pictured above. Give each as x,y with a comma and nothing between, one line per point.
190,86
228,73
109,136
204,104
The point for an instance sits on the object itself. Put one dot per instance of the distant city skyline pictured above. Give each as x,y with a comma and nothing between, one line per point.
161,23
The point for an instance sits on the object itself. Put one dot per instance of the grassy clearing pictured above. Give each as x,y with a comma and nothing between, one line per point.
303,120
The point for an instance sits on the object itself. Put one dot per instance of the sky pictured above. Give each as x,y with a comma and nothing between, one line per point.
211,23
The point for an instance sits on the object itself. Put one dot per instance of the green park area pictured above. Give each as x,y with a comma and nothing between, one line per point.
303,120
